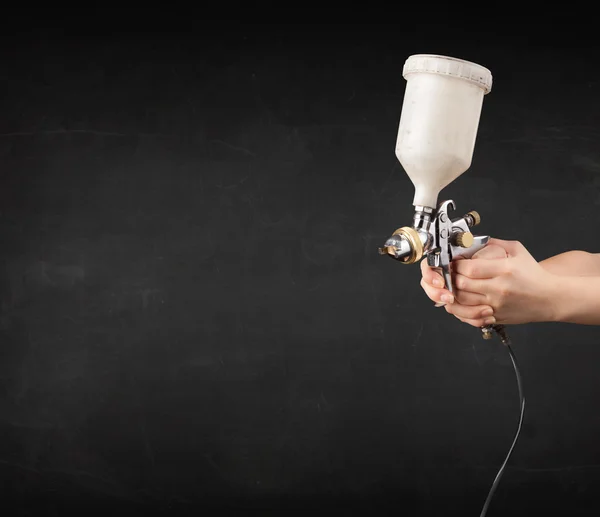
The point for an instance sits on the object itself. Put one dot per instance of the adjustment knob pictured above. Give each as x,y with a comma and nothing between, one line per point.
464,239
475,217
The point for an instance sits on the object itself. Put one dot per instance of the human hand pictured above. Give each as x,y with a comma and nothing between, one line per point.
517,288
472,311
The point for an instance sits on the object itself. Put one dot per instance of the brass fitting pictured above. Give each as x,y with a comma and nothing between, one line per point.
416,246
486,333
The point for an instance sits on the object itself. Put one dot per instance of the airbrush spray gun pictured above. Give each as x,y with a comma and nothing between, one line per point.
436,138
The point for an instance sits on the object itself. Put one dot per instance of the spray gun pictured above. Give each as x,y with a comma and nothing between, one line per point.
436,138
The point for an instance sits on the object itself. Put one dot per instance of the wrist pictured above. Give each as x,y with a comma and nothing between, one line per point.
575,300
557,299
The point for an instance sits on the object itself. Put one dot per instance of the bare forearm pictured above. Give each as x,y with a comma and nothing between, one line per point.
573,263
576,300
576,293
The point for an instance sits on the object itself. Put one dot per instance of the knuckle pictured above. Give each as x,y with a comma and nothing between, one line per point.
504,292
517,245
503,288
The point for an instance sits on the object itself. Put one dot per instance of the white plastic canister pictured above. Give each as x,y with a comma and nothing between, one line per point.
439,121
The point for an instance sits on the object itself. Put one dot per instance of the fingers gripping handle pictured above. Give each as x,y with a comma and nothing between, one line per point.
455,240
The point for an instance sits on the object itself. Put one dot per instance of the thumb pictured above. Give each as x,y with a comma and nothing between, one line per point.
512,248
491,251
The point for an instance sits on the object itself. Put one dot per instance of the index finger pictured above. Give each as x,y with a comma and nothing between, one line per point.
480,268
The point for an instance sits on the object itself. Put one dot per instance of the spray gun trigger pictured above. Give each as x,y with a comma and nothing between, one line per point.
448,279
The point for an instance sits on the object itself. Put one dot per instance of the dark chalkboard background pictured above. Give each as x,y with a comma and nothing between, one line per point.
193,311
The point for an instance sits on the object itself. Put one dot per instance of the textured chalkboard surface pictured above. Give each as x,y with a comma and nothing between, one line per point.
193,311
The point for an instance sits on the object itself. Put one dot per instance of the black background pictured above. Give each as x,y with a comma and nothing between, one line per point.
194,314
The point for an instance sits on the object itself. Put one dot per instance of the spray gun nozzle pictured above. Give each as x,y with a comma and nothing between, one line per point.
387,250
405,245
